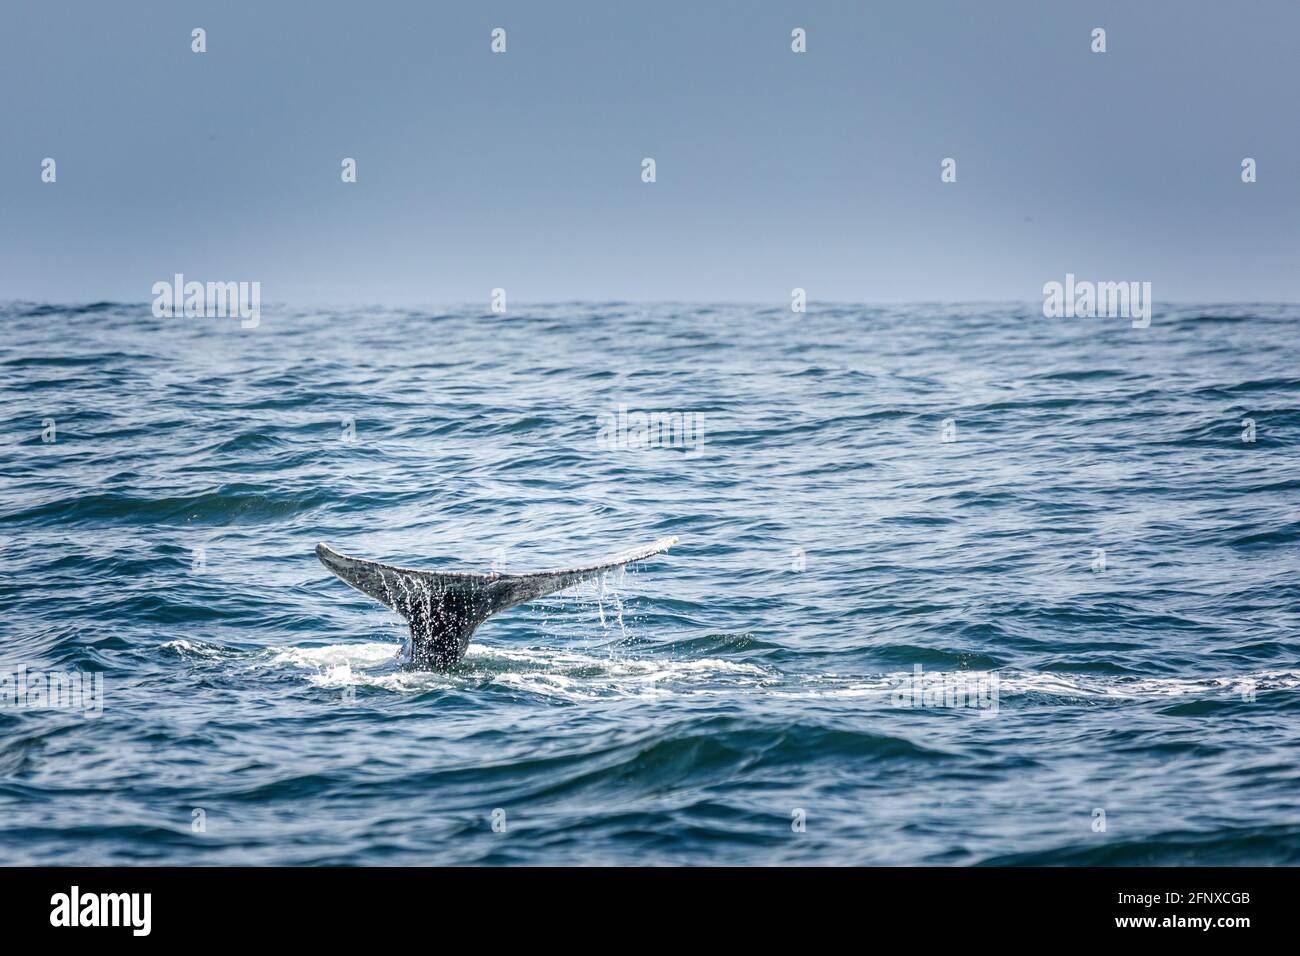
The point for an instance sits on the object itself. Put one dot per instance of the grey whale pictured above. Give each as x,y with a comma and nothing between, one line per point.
445,608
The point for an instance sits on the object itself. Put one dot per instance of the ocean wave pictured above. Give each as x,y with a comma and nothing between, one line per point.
878,489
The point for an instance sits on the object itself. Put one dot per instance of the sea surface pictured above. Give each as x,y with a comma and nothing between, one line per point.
1057,520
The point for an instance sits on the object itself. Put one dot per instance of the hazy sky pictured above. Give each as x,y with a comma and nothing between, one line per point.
523,170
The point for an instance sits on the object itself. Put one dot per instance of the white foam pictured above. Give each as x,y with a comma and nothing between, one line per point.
575,675
558,673
336,655
1136,688
1042,683
195,648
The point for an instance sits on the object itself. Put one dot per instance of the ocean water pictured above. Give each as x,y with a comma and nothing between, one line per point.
737,701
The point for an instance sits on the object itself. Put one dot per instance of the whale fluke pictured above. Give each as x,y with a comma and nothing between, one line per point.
444,608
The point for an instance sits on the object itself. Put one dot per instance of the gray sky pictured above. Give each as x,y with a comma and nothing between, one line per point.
775,170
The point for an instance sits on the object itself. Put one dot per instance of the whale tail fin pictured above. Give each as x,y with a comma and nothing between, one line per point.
444,608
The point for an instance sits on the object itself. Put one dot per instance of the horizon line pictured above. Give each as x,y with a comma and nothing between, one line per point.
465,304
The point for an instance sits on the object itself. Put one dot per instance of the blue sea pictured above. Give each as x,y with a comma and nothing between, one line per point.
1059,523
